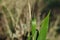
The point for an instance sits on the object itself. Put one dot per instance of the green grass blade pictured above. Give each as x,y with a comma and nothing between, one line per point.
35,36
44,28
33,26
33,29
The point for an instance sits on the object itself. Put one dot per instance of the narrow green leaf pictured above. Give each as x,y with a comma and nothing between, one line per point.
35,35
33,29
44,28
33,26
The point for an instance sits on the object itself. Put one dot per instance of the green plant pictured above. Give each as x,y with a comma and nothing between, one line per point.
43,30
33,29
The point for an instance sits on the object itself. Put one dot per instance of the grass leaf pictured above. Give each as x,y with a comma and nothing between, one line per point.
33,29
44,28
33,26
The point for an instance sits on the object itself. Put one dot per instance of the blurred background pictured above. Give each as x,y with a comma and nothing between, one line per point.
16,17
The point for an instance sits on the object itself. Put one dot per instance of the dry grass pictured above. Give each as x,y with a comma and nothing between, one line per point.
12,11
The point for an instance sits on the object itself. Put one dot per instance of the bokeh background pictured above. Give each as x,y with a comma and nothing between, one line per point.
16,17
